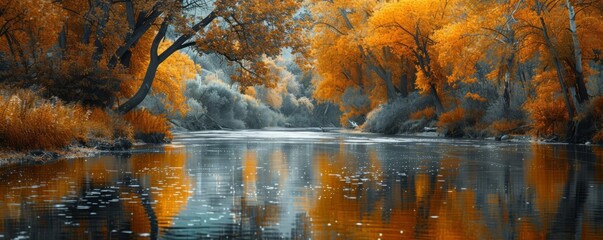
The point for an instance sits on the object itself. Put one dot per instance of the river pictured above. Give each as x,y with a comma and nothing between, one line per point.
303,184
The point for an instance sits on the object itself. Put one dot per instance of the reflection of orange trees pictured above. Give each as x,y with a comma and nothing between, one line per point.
264,214
21,186
343,205
47,185
456,217
171,185
250,173
447,212
529,231
598,151
547,174
590,230
340,205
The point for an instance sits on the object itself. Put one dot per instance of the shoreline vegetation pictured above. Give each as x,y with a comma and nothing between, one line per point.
97,146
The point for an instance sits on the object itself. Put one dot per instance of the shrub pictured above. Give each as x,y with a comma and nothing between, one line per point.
389,118
427,114
452,123
148,127
506,126
98,123
216,105
548,117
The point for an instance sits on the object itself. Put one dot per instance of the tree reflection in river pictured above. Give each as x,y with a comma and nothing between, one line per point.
317,188
93,198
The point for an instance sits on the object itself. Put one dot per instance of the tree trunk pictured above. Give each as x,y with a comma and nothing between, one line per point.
386,76
582,94
436,100
507,93
570,110
63,39
157,59
149,76
100,31
392,94
142,92
404,85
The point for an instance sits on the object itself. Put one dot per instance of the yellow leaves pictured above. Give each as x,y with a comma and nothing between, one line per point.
423,83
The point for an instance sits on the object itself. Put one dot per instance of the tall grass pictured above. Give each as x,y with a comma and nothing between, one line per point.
149,127
29,122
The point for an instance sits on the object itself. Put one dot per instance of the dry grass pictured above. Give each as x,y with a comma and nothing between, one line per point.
28,122
101,124
145,124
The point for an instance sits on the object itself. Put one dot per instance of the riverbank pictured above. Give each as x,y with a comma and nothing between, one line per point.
43,157
93,147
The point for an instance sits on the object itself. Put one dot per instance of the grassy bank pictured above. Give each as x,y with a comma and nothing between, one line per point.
35,129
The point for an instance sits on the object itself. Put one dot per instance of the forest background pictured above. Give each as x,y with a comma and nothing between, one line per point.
102,73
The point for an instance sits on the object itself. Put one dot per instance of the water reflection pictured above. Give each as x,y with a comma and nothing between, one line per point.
321,186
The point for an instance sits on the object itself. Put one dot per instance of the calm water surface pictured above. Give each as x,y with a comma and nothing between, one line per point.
303,184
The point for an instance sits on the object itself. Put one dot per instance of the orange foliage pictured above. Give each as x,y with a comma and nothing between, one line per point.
29,122
547,110
452,121
100,124
427,113
547,175
144,122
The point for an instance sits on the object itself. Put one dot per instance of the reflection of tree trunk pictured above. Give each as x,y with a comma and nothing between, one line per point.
146,203
510,225
145,199
568,224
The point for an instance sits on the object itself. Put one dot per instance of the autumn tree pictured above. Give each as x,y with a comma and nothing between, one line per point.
241,31
487,33
564,49
336,52
406,27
